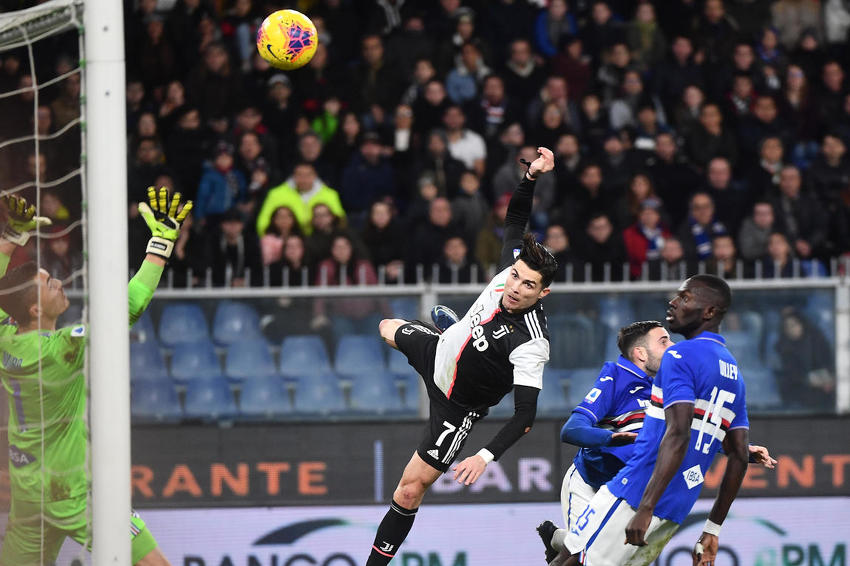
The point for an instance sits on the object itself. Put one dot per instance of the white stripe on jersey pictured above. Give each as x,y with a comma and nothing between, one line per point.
657,392
655,412
725,412
533,325
708,428
460,435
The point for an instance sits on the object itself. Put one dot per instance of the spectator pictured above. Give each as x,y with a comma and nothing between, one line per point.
256,169
645,38
671,174
374,81
805,375
764,176
426,245
234,252
511,172
324,227
455,266
211,85
488,245
384,238
601,249
62,259
558,243
792,17
522,75
732,200
553,26
464,144
741,98
555,92
300,193
830,172
463,80
469,207
602,30
629,206
346,140
410,46
186,149
611,75
574,65
763,123
724,260
770,52
756,230
439,165
687,111
292,269
279,110
644,239
717,33
423,73
367,177
493,110
311,150
283,224
589,198
221,188
799,216
679,71
700,227
143,170
156,59
672,264
567,161
711,138
66,107
594,122
430,108
617,163
779,261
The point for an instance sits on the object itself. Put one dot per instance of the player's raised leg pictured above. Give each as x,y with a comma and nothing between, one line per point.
415,481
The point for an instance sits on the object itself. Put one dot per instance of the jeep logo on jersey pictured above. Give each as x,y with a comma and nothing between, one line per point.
479,340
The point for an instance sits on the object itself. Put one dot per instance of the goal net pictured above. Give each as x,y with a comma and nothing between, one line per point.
44,482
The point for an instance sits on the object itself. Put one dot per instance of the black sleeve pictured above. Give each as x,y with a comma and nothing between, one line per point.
519,210
525,409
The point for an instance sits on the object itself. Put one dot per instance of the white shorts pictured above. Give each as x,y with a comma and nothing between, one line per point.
601,530
575,495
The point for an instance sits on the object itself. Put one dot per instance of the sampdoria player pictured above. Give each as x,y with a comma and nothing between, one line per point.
697,403
501,344
42,371
605,424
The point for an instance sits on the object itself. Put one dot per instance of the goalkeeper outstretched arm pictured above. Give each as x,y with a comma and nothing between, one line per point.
164,217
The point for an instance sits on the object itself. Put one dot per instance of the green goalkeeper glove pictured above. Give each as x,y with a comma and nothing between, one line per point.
22,220
164,220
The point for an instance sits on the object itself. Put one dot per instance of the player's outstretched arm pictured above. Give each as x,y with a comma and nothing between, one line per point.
580,431
164,216
671,452
519,208
735,444
21,222
525,409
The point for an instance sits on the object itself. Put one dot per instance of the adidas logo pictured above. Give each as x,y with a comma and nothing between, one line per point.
434,454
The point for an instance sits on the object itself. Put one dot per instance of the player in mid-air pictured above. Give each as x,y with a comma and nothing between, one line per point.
42,371
605,424
698,402
501,344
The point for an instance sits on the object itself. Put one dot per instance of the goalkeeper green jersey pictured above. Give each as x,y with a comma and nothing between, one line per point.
42,372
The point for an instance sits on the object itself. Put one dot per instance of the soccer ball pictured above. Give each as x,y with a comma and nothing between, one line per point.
287,39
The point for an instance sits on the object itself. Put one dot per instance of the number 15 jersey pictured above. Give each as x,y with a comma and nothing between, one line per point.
701,371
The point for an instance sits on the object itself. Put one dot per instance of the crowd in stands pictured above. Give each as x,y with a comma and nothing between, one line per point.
686,133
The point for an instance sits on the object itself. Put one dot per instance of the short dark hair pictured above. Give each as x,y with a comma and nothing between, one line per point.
538,258
721,290
631,335
18,291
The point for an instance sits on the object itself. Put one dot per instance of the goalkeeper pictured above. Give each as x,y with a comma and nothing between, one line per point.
42,371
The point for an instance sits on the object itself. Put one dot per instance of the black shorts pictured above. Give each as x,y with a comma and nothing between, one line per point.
449,423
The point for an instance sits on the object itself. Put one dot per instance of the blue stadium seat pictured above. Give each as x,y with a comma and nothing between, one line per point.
580,382
196,360
358,354
210,399
235,321
571,341
319,395
181,323
146,362
552,400
762,390
615,311
303,355
411,393
746,348
397,364
155,401
248,359
505,408
264,398
376,394
143,330
405,307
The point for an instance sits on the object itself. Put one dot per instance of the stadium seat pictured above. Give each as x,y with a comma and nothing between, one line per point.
505,408
155,401
572,340
210,399
762,389
376,394
146,362
181,323
196,360
357,354
264,398
746,348
319,395
552,400
397,364
411,393
580,381
143,330
615,311
405,307
248,359
303,355
235,321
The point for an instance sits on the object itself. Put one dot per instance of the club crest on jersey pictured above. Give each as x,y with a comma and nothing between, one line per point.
479,339
501,331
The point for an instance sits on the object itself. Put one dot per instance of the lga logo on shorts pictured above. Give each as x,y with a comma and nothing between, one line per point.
693,476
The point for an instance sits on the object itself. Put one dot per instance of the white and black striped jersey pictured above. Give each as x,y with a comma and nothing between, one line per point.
481,357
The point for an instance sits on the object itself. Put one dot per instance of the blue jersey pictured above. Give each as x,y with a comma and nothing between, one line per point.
699,371
617,403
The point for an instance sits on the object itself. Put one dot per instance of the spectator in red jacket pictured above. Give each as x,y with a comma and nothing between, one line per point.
645,238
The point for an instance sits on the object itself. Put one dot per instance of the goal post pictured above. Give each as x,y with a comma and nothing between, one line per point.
105,159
